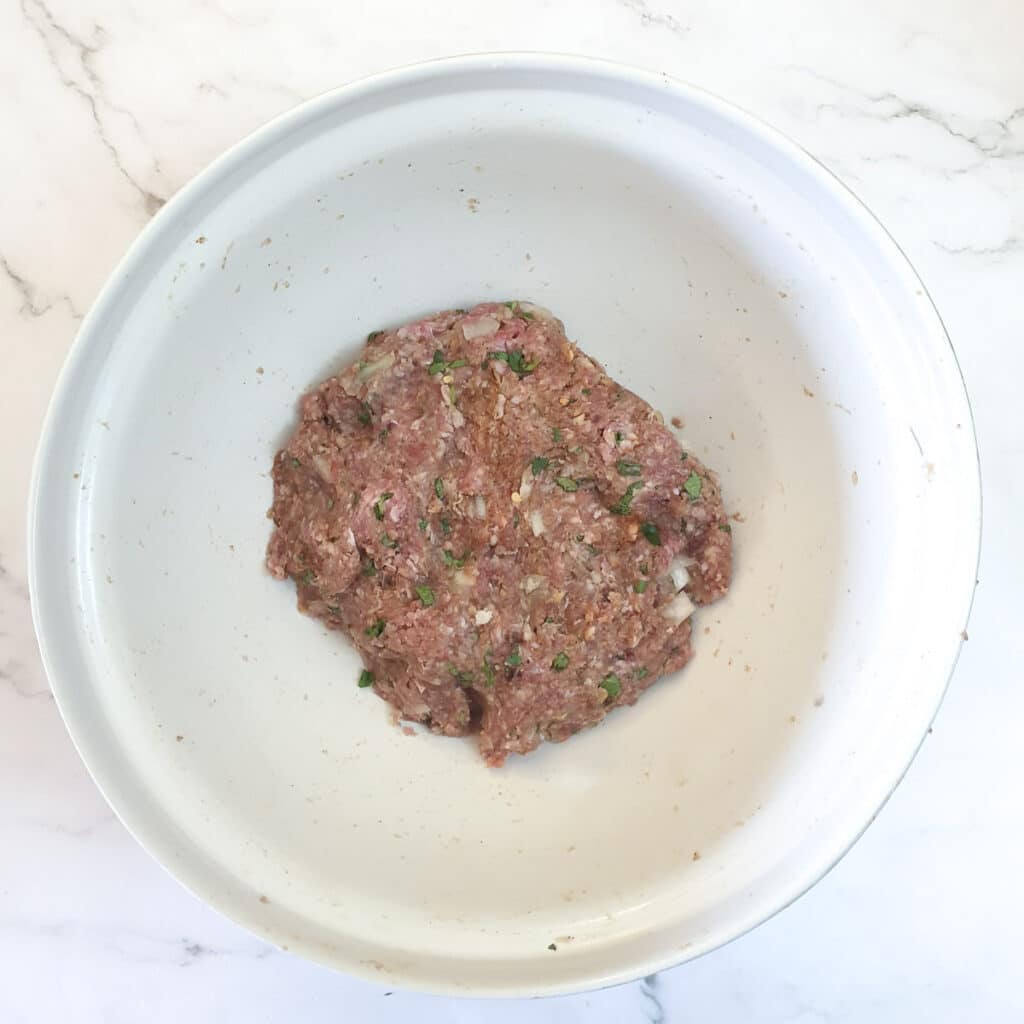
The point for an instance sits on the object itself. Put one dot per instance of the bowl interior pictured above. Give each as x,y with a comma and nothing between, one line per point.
715,271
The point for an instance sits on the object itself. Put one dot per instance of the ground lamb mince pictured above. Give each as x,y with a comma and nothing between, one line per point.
513,541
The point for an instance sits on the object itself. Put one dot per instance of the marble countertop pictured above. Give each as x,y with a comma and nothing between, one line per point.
108,107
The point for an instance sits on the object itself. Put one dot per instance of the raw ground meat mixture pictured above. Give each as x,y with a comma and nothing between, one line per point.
512,540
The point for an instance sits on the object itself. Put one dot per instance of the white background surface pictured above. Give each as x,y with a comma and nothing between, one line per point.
107,108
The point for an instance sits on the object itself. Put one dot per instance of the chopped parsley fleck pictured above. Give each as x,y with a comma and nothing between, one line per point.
539,464
307,577
650,531
556,434
376,629
515,659
378,505
560,661
438,363
640,586
446,527
334,609
366,678
618,437
388,541
627,468
364,414
462,676
295,463
611,685
726,527
451,561
370,568
644,569
489,676
586,391
622,506
640,673
517,310
518,363
456,364
567,483
683,457
439,488
426,595
548,619
373,335
423,524
693,486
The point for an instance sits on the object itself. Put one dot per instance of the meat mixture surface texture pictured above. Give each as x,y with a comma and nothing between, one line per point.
513,541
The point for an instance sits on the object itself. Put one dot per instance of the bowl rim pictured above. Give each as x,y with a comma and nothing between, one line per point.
417,73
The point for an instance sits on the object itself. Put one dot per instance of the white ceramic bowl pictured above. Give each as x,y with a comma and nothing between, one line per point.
775,316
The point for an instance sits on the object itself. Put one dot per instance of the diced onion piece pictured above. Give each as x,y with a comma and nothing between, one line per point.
532,583
484,616
479,506
367,370
677,570
464,579
323,467
483,327
538,311
679,609
537,522
526,483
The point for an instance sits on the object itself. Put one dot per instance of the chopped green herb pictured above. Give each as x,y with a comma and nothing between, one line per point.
556,434
517,361
462,676
514,660
330,504
726,527
370,568
295,463
611,685
644,569
334,609
640,586
451,561
423,524
439,488
627,468
650,531
547,620
307,577
456,364
622,506
365,678
426,596
437,365
364,414
489,676
446,527
388,541
373,335
539,464
378,505
567,483
683,457
560,661
376,629
640,673
693,486
586,391
618,438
